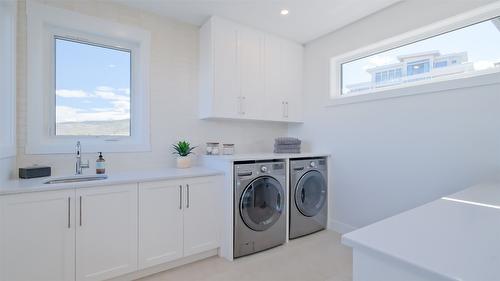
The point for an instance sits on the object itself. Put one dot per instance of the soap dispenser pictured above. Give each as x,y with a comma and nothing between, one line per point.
100,165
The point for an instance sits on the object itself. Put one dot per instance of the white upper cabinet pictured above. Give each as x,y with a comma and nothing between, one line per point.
248,74
274,94
291,81
251,72
106,232
37,236
219,81
283,80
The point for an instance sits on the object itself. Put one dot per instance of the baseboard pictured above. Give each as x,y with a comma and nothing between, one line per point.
340,227
166,266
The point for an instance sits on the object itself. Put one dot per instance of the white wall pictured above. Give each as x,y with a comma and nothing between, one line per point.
395,154
7,166
174,98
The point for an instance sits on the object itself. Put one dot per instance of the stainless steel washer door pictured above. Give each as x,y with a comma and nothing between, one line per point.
310,193
261,203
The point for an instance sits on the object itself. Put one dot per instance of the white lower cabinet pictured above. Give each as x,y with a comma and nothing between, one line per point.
106,232
202,215
160,222
98,233
37,236
178,219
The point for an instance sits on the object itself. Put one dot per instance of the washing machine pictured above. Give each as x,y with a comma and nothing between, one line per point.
259,206
308,196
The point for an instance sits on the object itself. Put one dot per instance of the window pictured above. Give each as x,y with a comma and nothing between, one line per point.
92,89
460,47
87,82
399,73
384,76
391,74
419,67
439,64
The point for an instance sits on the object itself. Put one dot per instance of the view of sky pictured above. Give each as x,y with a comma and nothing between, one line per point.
92,83
480,41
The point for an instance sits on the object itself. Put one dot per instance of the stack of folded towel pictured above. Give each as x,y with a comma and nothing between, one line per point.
287,145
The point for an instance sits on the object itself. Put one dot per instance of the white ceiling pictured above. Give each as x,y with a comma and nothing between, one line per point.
307,20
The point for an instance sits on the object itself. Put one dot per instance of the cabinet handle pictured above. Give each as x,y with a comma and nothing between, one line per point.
242,105
283,108
286,109
180,197
69,212
187,205
80,211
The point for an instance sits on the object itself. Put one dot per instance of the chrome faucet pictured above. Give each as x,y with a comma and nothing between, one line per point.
79,165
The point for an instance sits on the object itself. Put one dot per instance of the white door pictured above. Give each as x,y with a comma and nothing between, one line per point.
292,56
160,222
202,213
274,98
106,232
251,72
37,236
226,89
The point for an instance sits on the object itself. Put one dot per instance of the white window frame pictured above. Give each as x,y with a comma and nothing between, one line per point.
477,78
8,33
45,22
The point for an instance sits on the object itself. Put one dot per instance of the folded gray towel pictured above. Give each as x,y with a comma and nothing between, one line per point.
287,146
287,140
289,150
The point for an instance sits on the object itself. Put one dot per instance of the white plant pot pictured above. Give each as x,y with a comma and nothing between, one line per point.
183,162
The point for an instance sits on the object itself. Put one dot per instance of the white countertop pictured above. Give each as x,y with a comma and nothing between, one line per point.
36,185
264,156
456,237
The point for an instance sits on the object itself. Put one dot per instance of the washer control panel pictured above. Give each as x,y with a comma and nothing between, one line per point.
299,165
244,171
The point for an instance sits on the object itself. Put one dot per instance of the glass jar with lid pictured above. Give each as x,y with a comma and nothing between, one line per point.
228,149
213,148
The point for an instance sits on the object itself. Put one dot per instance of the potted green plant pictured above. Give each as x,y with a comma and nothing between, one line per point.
183,149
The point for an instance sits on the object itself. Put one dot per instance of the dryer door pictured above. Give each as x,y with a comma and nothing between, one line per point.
261,203
310,193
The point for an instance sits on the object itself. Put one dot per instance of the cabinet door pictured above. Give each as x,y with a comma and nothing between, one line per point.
106,232
292,56
226,101
160,222
274,101
37,236
251,72
202,214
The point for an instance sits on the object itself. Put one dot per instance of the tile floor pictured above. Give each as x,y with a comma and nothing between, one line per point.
317,257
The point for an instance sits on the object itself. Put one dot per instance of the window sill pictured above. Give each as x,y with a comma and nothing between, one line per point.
424,87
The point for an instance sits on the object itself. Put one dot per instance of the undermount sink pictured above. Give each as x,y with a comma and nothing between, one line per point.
76,178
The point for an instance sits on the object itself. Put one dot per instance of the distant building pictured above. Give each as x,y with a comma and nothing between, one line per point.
414,67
